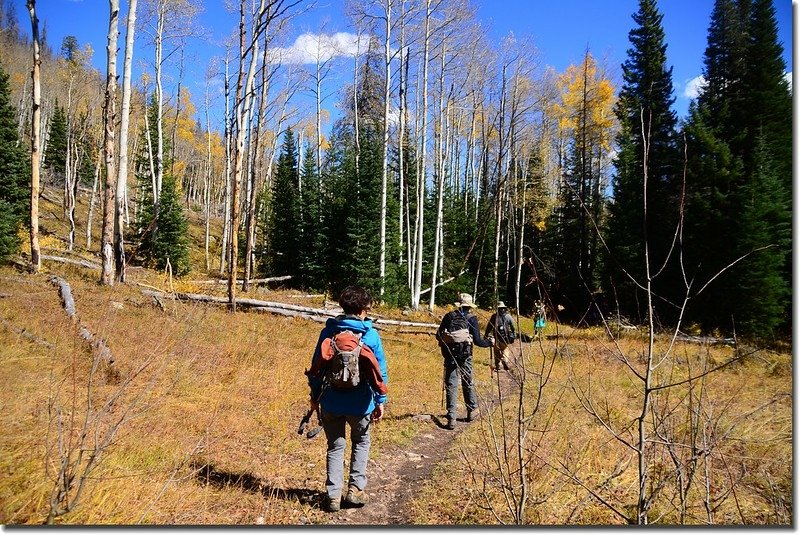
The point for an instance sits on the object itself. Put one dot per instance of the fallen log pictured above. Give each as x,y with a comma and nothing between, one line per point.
240,281
82,263
68,302
314,314
26,335
245,302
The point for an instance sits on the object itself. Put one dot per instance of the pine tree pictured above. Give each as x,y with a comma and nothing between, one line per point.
56,154
284,250
645,116
739,141
14,175
763,293
311,262
171,243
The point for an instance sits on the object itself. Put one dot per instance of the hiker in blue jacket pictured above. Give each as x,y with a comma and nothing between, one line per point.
358,407
457,332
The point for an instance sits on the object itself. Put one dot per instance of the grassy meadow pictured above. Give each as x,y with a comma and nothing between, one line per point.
198,416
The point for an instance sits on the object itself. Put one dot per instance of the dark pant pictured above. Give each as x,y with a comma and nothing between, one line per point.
458,367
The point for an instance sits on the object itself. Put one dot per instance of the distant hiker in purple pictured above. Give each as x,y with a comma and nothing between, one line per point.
457,333
357,406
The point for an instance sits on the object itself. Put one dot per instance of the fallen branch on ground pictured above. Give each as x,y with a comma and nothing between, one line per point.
82,263
26,335
285,309
240,281
67,301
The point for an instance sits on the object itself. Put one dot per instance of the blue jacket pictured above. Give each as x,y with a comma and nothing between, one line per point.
362,399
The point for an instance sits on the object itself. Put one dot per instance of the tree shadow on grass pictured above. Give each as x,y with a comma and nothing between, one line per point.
207,474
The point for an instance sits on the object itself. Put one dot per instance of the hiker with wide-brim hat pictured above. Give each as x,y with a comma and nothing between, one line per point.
501,328
457,333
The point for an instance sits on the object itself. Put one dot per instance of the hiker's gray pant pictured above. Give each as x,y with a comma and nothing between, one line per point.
455,371
335,426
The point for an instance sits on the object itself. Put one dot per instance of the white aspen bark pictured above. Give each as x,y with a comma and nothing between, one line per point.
207,187
36,260
69,198
227,201
318,81
122,174
242,108
439,183
402,131
415,293
159,44
109,116
90,216
385,164
356,128
500,188
469,164
150,155
248,179
412,240
71,182
252,196
521,241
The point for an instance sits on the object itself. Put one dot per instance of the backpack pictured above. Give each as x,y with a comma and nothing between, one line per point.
342,370
504,326
456,330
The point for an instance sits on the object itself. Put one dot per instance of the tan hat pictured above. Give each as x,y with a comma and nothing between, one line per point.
464,300
500,304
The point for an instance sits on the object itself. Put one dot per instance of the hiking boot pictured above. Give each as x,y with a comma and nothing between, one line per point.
451,424
356,497
471,415
332,504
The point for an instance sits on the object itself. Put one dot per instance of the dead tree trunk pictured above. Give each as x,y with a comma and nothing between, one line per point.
109,116
36,261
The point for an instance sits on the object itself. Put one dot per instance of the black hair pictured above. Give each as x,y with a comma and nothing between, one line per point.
354,300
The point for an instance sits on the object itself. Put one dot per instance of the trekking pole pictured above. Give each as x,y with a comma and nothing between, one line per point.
307,418
444,378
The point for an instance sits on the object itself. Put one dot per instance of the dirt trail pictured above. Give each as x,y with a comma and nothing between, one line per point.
397,474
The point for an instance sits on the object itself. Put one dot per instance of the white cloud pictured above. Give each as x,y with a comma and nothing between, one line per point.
788,77
693,87
310,48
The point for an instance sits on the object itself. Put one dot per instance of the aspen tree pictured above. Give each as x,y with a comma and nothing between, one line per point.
420,217
36,261
440,180
109,117
226,219
261,19
122,174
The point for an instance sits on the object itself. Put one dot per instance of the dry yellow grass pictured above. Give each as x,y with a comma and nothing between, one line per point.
212,436
750,477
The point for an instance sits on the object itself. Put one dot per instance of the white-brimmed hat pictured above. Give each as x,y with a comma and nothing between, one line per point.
464,300
500,304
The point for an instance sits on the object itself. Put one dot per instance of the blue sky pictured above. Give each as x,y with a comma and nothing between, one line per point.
560,29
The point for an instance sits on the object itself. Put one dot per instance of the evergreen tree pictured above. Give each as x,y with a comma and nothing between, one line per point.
284,223
646,119
763,293
171,243
739,139
163,235
14,175
311,262
56,153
